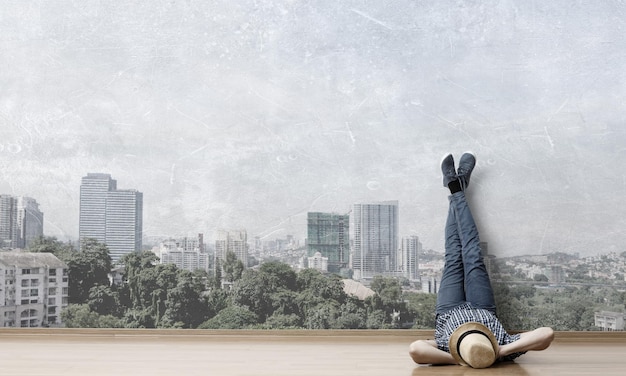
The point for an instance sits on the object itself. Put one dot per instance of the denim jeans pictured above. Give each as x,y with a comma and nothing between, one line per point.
465,278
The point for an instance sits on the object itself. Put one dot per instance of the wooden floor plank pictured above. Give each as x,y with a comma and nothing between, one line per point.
345,353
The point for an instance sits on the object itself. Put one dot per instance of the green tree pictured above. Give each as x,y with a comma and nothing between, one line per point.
423,306
253,292
185,308
50,244
352,314
134,263
233,267
80,316
216,299
217,277
388,298
103,300
87,268
322,316
377,319
387,288
282,321
231,317
320,298
279,275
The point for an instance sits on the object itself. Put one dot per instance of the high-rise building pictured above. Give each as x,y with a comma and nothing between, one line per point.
410,250
375,239
328,234
235,241
110,215
29,221
20,221
9,231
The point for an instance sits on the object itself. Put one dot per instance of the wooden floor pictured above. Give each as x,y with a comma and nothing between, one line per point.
50,352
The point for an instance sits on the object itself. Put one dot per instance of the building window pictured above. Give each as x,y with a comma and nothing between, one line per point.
24,323
52,280
52,310
65,290
25,271
25,283
24,301
25,292
52,272
34,292
52,320
52,301
52,291
34,282
65,300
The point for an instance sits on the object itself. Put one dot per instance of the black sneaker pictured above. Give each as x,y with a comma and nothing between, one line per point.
447,168
466,166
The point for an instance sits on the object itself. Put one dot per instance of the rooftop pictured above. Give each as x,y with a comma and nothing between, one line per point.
30,259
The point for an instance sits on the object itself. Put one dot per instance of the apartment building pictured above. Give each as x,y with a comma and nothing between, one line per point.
33,289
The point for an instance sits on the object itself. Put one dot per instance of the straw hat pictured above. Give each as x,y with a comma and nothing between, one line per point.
473,344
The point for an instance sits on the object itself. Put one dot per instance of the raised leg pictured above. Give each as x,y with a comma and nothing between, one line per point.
478,289
451,289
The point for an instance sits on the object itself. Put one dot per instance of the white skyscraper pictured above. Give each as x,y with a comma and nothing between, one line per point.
375,238
20,221
8,222
29,221
111,216
410,250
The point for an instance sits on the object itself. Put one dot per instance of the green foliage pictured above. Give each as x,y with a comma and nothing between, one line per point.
232,317
387,288
388,299
50,244
185,307
216,299
422,307
80,316
279,275
233,267
103,300
86,269
162,295
283,321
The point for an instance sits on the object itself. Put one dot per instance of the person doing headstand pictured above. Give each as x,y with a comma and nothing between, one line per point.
468,331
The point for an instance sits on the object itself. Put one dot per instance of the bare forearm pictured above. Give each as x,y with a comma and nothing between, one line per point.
426,352
538,339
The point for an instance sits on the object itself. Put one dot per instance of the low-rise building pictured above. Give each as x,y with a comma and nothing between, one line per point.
609,321
33,289
319,262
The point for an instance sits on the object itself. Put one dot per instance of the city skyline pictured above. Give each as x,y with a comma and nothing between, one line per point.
231,116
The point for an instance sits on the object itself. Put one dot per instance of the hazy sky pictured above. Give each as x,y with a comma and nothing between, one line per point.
249,114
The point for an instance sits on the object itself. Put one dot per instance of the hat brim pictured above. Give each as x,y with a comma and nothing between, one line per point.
469,327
